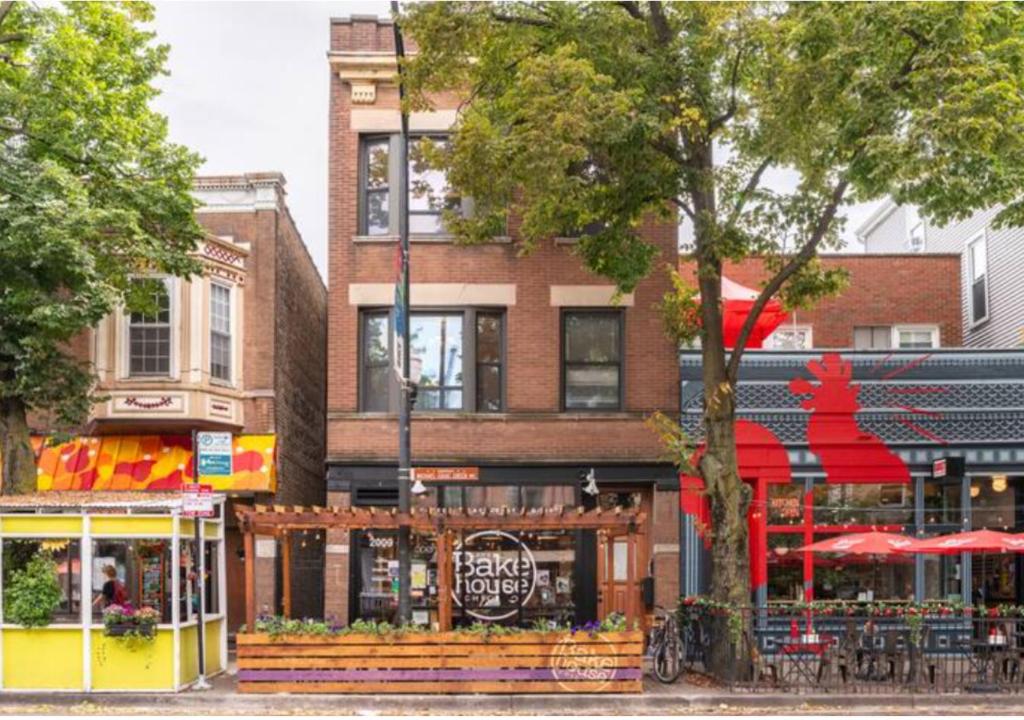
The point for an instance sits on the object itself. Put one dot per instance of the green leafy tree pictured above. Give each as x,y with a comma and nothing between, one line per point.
33,593
91,194
607,113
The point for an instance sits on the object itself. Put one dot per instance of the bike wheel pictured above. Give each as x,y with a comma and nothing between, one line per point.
667,667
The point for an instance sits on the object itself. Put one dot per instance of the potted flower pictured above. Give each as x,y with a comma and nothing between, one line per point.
126,621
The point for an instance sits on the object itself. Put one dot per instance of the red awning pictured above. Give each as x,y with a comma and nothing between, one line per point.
979,541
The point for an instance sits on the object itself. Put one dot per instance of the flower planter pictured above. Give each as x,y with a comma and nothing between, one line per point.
123,629
451,662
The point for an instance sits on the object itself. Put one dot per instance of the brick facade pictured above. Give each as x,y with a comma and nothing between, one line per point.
532,428
885,290
284,369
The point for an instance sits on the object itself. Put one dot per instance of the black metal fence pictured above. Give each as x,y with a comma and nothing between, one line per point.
807,652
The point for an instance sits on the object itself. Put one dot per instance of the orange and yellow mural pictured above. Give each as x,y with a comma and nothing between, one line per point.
148,462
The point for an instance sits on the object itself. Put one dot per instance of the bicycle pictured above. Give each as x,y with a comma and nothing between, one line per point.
666,648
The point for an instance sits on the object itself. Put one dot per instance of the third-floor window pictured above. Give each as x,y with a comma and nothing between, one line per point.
220,332
149,335
459,353
429,192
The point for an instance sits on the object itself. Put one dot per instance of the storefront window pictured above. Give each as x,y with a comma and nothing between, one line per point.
992,502
140,571
378,576
786,504
211,560
867,504
942,576
942,504
862,577
66,555
785,567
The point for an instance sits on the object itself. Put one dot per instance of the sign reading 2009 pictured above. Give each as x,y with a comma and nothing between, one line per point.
495,574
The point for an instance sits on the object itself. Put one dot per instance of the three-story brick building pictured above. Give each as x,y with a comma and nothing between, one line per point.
534,377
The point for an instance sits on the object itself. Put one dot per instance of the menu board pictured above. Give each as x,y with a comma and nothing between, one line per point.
151,580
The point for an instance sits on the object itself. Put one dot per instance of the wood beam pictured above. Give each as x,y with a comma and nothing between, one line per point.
250,581
286,573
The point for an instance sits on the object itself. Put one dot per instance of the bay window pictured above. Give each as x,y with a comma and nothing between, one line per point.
149,335
220,332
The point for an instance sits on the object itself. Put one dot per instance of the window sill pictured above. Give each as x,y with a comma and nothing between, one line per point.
222,384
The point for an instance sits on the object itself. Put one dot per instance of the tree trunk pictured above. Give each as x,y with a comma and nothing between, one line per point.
19,462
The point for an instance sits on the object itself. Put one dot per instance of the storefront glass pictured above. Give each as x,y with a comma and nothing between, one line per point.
65,554
139,570
785,567
862,577
863,504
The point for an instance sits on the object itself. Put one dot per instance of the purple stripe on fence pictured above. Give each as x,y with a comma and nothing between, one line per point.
598,674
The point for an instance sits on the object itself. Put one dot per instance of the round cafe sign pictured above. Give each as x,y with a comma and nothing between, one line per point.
495,574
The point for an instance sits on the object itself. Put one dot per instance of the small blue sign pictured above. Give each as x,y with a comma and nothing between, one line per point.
214,454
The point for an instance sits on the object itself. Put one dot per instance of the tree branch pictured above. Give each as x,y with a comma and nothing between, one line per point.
801,258
752,182
733,82
682,205
521,20
5,8
632,7
659,23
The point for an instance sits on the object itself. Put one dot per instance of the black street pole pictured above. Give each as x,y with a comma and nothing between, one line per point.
402,331
197,567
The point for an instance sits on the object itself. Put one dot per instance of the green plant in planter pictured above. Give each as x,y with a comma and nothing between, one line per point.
33,593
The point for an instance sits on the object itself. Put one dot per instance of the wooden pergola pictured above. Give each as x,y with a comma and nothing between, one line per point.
443,524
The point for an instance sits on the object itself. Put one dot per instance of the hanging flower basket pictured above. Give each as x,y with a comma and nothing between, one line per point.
124,621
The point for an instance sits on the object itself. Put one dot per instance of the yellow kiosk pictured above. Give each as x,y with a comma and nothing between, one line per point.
127,564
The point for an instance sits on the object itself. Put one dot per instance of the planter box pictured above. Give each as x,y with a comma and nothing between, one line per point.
442,663
122,629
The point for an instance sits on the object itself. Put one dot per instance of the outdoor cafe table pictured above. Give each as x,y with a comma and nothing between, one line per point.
803,657
988,655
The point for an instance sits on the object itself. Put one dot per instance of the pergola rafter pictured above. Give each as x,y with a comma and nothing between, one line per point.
442,523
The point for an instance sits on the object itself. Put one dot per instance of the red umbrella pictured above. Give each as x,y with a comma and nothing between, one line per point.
869,543
982,541
975,541
876,544
737,302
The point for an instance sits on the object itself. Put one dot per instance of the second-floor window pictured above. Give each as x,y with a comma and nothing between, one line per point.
910,337
220,332
429,192
977,266
460,355
592,359
790,337
149,336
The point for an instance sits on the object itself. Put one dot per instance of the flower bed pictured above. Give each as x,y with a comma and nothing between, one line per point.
315,658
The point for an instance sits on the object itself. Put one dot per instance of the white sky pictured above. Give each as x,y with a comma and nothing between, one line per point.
248,91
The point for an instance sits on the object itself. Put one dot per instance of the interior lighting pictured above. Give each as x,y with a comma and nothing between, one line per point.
998,483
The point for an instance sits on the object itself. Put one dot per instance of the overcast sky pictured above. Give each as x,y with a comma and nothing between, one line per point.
248,91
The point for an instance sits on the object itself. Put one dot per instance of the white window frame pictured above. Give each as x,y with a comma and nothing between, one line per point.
911,246
897,329
232,358
980,237
799,326
124,335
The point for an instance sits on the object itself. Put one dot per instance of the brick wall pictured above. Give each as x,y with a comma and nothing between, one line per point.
883,290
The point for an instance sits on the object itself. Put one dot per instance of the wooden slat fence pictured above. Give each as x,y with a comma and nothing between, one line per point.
442,663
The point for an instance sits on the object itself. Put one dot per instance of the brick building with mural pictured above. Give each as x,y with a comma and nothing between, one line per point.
240,349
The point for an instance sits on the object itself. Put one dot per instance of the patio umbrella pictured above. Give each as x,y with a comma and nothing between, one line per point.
875,544
737,302
974,541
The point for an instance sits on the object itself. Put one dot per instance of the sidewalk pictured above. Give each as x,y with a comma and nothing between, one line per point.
657,699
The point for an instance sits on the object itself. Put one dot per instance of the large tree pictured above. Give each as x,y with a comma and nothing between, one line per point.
605,113
91,195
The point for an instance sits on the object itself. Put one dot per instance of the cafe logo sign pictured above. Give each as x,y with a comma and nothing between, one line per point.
495,574
586,666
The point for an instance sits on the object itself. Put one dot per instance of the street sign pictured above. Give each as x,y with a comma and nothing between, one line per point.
214,454
196,500
447,474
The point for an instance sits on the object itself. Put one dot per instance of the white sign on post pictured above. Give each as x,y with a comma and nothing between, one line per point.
196,500
214,449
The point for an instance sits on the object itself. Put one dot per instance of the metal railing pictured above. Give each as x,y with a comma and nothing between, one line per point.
806,652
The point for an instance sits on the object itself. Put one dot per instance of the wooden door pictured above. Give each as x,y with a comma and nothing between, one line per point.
613,554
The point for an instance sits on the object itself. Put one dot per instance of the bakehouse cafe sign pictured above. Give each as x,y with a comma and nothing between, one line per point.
495,574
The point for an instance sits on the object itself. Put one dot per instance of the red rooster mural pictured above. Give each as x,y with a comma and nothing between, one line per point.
846,452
